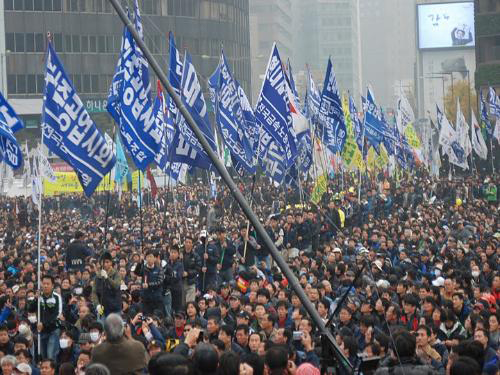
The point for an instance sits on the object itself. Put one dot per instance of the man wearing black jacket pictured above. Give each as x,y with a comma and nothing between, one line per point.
152,284
51,307
209,254
76,253
192,268
176,283
227,252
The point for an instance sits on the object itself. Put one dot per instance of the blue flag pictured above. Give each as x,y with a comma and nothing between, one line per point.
192,98
388,134
160,110
331,120
10,151
121,166
291,81
484,115
69,131
140,55
273,108
252,128
230,118
493,102
356,123
312,99
272,157
138,127
305,157
373,125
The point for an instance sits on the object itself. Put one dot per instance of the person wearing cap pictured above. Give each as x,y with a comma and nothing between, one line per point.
77,253
106,293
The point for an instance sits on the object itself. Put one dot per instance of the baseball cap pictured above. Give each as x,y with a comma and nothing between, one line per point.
243,314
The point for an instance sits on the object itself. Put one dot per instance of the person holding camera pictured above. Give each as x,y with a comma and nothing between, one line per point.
106,293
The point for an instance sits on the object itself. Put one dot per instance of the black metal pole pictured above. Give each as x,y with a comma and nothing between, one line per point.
294,283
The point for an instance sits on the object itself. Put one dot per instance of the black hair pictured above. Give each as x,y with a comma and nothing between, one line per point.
426,328
205,358
228,330
229,364
169,363
350,344
405,344
242,327
255,361
276,359
465,365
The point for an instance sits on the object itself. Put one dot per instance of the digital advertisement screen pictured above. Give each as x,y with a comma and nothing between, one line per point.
447,25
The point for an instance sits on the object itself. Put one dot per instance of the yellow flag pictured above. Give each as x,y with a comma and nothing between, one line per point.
319,189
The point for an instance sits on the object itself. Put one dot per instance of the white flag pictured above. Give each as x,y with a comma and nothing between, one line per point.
496,133
462,131
404,113
27,167
478,142
447,134
45,167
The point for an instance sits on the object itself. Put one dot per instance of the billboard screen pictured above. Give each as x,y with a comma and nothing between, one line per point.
446,25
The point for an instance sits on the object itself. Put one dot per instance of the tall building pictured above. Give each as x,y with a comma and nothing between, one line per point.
388,45
87,36
329,28
487,15
270,21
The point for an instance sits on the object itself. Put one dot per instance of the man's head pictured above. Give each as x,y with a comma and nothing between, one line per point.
423,335
405,344
226,335
150,258
114,328
174,253
212,325
242,332
48,367
458,301
47,284
481,335
276,360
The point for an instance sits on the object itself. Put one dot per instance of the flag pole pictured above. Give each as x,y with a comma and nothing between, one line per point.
109,194
39,269
139,196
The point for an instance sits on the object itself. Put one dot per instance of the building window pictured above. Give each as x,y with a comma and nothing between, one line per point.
109,44
92,44
18,5
98,6
40,83
86,83
39,42
21,84
67,47
77,82
38,5
85,43
94,80
30,42
31,84
101,44
28,4
10,44
72,5
19,42
8,5
47,6
57,7
76,43
11,84
58,43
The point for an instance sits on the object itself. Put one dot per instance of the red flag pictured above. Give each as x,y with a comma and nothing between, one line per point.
152,183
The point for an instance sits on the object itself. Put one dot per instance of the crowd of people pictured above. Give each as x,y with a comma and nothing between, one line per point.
182,284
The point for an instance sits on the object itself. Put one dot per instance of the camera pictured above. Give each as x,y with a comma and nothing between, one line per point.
297,335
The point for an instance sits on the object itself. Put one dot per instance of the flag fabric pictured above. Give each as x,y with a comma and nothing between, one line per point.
373,127
312,99
121,166
36,183
152,183
485,121
271,156
138,127
162,118
478,143
193,100
230,119
320,187
142,60
496,133
273,109
45,169
462,131
291,82
446,133
357,125
27,167
10,123
456,155
252,128
304,159
404,113
331,129
494,102
68,130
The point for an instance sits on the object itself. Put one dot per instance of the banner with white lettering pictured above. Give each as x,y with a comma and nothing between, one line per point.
10,150
230,119
478,143
46,170
68,130
312,99
331,123
372,125
356,124
273,108
485,121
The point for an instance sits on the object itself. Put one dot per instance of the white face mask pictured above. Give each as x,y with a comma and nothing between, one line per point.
94,336
63,343
24,330
475,273
32,319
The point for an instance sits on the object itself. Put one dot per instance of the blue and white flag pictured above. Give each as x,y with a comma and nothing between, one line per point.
493,102
332,129
192,98
10,150
388,131
69,131
252,128
356,123
484,115
291,81
312,99
230,118
372,125
273,108
140,54
139,130
161,112
305,157
271,156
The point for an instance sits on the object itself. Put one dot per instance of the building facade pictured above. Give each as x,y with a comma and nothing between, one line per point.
329,28
270,21
87,36
487,15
